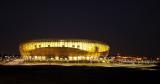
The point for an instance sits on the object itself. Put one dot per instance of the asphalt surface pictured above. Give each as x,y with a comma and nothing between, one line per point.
49,74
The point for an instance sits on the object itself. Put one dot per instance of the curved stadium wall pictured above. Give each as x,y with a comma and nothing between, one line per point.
63,49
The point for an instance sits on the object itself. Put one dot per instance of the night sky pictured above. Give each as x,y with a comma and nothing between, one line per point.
129,27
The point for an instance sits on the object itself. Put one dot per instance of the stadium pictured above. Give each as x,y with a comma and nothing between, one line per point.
67,50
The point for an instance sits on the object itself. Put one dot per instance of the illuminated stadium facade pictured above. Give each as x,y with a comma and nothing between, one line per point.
63,50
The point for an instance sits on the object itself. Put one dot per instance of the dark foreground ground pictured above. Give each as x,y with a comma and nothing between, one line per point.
75,75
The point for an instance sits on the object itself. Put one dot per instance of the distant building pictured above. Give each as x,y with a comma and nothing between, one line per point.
63,49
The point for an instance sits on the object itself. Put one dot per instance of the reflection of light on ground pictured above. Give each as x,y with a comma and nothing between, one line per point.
148,69
138,66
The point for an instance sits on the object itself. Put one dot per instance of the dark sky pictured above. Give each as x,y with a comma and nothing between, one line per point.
129,27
